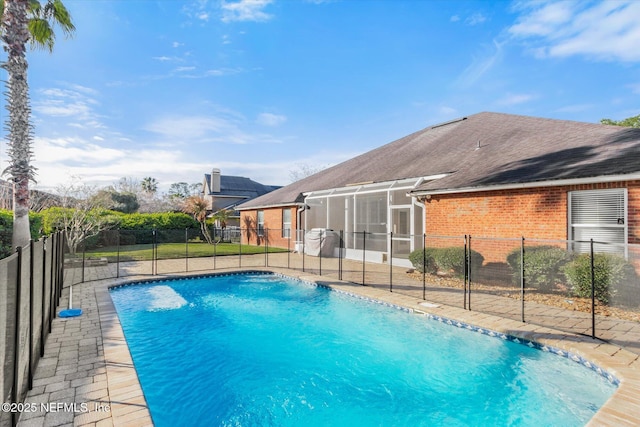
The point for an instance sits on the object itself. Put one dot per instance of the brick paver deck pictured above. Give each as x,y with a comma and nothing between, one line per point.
87,361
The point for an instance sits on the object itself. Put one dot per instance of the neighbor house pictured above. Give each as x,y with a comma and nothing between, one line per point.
225,192
487,175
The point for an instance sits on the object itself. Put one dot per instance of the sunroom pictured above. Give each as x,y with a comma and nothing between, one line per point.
377,218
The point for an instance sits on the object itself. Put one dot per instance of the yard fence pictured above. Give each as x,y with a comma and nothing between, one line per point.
30,287
576,286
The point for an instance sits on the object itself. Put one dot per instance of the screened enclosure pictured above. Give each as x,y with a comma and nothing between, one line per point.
383,211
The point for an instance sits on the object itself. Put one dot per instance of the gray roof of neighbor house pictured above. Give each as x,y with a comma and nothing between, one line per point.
238,186
481,151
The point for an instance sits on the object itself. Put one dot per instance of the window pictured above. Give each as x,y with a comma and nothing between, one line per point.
260,223
286,223
600,215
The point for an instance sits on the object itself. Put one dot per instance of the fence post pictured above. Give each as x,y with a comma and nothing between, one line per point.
154,250
522,279
364,246
61,266
304,246
186,249
424,266
84,250
593,293
118,253
54,276
340,248
391,263
215,250
32,252
466,275
468,256
52,261
16,350
289,249
240,247
266,247
320,252
44,291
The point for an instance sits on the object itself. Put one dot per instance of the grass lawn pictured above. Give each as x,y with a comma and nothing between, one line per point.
176,250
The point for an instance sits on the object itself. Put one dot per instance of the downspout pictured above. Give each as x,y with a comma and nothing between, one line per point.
301,209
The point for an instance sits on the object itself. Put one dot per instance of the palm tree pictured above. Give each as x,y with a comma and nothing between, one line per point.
197,206
221,217
25,21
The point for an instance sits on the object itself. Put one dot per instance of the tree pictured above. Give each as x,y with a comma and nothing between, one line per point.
304,170
197,206
78,214
25,21
632,122
221,217
149,185
120,201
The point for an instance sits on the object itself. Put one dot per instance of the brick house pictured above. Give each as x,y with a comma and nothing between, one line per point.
227,191
489,174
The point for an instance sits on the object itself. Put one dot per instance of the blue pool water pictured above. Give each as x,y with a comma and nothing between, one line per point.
262,350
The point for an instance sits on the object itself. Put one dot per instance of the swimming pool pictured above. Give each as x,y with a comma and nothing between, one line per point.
260,349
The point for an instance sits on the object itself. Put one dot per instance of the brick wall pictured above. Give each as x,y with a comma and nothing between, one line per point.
272,224
535,213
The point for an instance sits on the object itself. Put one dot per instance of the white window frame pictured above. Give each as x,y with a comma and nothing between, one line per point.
260,223
624,219
286,225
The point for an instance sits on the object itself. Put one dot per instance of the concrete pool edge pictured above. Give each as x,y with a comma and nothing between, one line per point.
129,405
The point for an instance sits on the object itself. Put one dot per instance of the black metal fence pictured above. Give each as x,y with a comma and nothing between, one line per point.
30,288
577,286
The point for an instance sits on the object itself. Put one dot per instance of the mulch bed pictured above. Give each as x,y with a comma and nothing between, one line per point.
556,299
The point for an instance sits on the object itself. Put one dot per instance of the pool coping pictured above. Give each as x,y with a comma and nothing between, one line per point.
129,407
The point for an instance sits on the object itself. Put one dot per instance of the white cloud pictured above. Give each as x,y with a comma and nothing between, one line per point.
167,58
447,111
515,99
635,88
604,30
575,108
475,19
183,69
454,18
224,128
481,65
245,10
77,102
270,119
57,159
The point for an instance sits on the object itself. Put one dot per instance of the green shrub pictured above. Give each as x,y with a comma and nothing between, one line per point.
446,260
6,231
543,266
424,258
610,271
452,259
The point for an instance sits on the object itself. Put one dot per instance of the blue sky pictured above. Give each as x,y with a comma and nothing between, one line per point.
172,89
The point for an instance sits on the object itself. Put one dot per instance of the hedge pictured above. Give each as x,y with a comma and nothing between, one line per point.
446,260
610,272
543,266
6,229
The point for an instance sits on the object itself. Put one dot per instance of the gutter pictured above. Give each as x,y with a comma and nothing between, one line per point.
552,183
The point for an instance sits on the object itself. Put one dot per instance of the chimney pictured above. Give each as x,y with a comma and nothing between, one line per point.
215,180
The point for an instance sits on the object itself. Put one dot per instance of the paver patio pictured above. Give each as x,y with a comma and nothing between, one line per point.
87,361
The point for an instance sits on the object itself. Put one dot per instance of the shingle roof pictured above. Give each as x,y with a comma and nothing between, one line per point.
512,149
239,186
